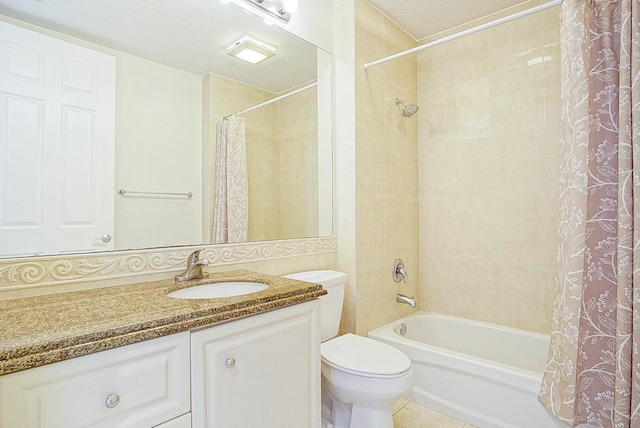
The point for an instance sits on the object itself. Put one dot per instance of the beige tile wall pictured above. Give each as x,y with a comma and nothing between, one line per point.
297,176
488,165
260,128
386,176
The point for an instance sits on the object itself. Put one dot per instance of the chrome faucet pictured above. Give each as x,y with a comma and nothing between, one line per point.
194,268
398,271
401,298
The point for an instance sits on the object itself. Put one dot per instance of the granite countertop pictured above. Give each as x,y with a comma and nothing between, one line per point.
40,330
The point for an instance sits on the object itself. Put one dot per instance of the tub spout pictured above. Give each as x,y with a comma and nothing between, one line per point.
401,298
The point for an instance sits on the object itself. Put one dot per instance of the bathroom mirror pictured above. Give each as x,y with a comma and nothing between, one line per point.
160,75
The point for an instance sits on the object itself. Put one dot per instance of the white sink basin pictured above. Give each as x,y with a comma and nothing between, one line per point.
218,289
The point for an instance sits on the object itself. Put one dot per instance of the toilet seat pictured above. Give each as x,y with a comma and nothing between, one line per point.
365,357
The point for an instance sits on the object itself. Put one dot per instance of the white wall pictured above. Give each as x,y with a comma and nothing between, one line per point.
158,148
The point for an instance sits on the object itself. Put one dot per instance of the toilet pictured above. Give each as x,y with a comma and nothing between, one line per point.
361,377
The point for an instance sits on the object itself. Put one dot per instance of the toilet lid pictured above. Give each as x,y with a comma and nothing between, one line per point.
361,355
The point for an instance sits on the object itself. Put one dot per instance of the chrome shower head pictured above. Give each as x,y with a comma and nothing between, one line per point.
409,109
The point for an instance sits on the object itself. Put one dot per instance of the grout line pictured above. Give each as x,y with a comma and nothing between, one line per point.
425,411
403,406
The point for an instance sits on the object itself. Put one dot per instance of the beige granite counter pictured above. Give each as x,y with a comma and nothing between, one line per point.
40,330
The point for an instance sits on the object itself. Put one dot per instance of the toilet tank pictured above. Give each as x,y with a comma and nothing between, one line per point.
330,304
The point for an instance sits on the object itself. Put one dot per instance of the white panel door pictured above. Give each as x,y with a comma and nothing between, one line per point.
57,139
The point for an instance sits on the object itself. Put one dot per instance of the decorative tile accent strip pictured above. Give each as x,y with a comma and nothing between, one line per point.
51,270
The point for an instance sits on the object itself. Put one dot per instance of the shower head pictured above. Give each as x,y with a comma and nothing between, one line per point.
409,109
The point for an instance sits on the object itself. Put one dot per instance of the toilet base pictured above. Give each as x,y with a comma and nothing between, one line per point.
362,417
346,415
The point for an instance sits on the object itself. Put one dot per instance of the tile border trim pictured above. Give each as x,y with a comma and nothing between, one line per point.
54,270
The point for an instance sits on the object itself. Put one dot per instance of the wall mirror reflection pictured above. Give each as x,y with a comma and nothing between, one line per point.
109,127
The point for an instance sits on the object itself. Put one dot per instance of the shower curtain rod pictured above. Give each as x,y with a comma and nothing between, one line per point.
273,100
469,31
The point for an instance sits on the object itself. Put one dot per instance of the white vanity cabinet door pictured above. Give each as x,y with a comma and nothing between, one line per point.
140,385
262,371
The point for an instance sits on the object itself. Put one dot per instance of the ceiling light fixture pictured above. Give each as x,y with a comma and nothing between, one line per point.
251,49
280,9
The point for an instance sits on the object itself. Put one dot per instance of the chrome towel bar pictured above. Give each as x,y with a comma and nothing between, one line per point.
124,192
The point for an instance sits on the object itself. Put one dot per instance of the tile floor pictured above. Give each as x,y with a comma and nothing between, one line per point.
410,415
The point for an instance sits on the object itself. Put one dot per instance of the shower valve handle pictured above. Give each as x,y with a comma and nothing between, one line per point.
399,273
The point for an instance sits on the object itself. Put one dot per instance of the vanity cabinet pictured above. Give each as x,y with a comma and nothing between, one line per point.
141,385
259,371
262,371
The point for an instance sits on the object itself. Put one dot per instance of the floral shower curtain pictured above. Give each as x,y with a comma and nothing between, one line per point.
231,207
593,372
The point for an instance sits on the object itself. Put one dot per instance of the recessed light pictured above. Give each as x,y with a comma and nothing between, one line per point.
251,49
251,56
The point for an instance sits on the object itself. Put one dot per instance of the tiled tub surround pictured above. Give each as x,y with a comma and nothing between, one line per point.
489,156
45,329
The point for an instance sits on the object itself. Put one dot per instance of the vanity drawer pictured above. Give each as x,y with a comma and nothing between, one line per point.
139,385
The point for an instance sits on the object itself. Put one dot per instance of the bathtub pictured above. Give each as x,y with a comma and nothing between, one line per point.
483,374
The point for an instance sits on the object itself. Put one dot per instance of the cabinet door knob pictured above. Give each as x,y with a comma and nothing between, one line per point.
230,363
112,401
106,238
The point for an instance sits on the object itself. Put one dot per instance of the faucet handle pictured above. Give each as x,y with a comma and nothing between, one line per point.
194,257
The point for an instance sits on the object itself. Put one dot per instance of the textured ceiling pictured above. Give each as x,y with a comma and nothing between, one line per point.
424,18
190,35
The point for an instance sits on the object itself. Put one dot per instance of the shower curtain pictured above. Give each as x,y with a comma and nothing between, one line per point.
593,372
231,206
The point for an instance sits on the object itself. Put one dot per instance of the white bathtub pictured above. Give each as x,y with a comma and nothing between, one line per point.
484,374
